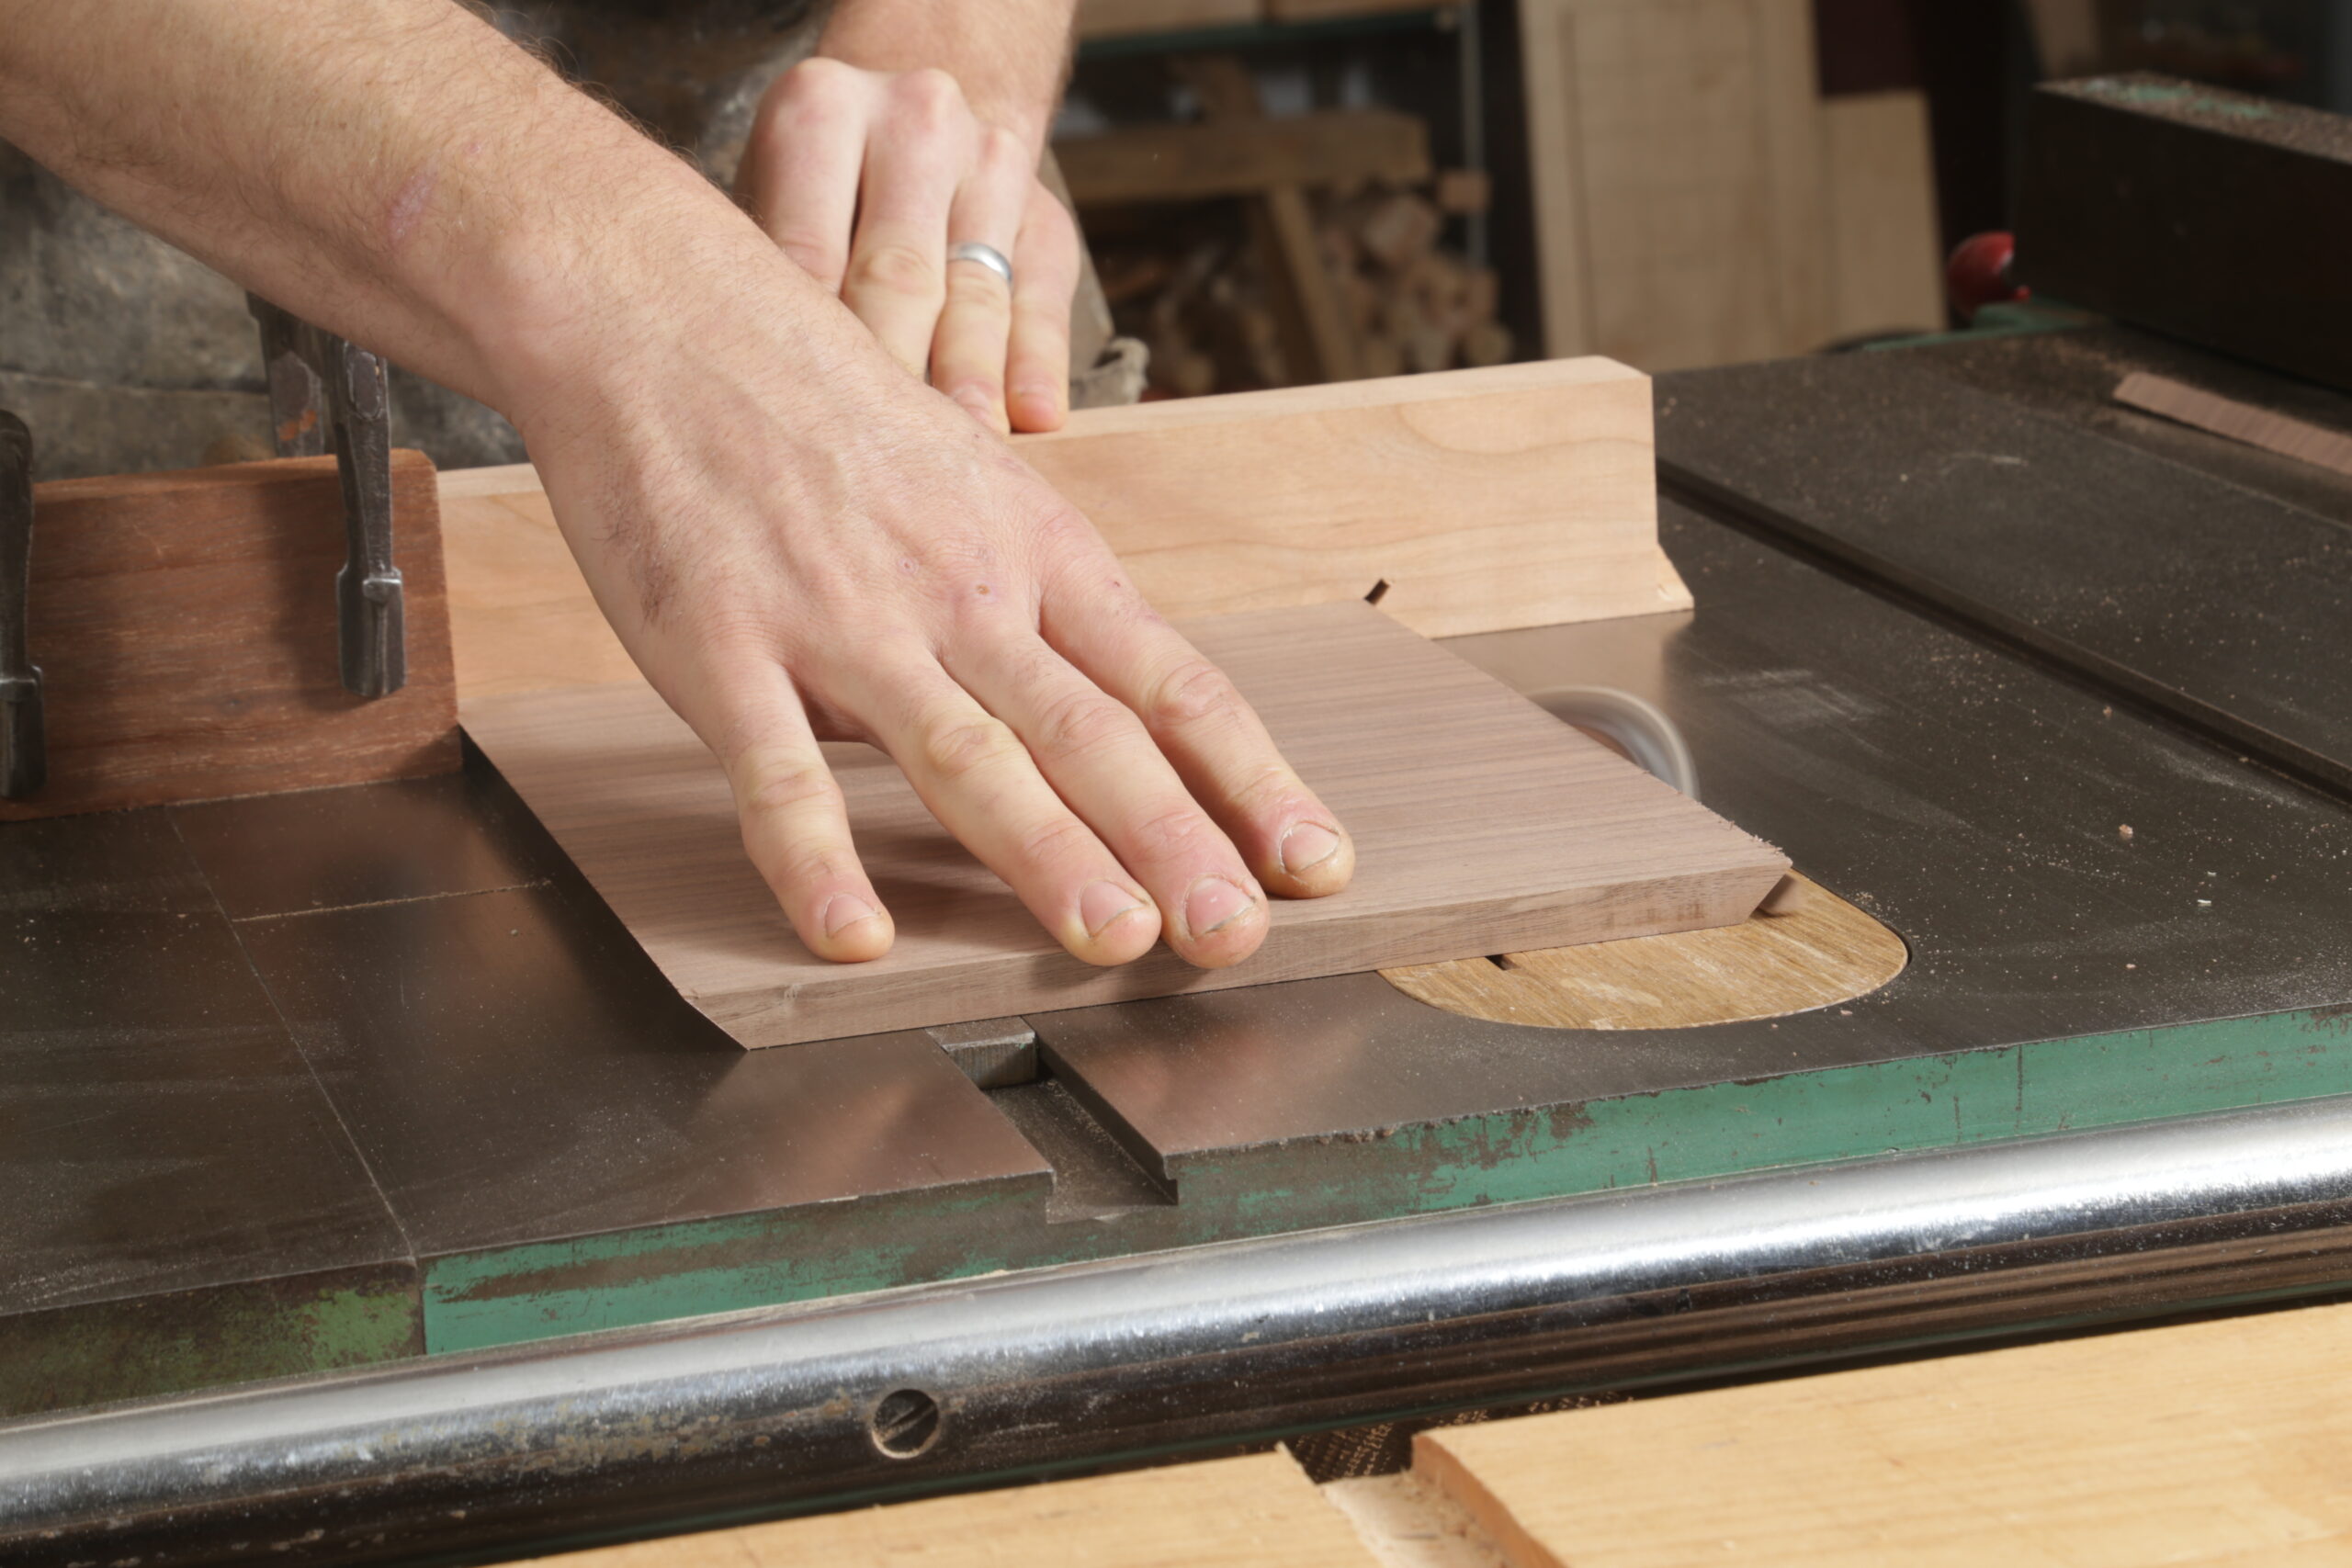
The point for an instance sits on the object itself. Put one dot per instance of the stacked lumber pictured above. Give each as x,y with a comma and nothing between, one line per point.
1414,306
1204,297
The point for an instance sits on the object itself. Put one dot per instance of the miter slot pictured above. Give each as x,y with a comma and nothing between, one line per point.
1095,1177
994,1053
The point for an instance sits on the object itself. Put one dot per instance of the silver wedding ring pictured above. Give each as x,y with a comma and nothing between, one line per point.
987,256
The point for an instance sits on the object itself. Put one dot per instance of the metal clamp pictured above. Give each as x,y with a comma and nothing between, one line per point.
24,746
317,382
368,588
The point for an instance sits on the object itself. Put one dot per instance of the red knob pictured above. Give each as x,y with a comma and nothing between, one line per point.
1983,271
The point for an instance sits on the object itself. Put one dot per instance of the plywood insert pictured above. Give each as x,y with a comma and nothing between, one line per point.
1816,952
1482,825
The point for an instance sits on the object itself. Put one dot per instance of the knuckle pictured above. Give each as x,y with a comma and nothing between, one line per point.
786,786
929,96
896,268
1059,838
979,293
818,73
812,253
1193,692
1001,153
959,748
1081,723
1267,789
1171,831
804,869
1048,221
813,90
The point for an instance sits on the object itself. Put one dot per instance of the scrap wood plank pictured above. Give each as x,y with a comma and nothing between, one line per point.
1256,1509
2235,421
1318,341
185,627
2207,1442
1674,150
1194,163
1487,499
1482,825
1879,191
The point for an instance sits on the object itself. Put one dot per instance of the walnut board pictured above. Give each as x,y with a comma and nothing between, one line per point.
1482,825
185,629
1521,495
2235,421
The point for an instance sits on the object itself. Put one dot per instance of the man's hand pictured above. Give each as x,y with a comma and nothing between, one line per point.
797,541
917,127
793,537
868,180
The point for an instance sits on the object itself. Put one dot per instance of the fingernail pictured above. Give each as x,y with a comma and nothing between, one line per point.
844,910
1103,902
1307,845
1214,904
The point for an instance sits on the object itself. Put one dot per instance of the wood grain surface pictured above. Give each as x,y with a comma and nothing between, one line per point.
1674,150
1482,825
2227,417
1820,952
2218,1442
1517,496
1195,160
1260,1510
1885,251
185,627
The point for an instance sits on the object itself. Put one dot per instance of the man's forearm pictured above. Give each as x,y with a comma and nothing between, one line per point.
396,171
1009,56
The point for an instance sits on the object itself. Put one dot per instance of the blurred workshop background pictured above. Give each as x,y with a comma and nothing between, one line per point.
1279,192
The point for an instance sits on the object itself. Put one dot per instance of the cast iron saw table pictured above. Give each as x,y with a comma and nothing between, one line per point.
363,1093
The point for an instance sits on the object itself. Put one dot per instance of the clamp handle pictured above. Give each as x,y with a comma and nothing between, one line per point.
320,384
367,589
1981,271
24,745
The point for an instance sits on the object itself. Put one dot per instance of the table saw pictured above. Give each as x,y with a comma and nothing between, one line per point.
397,1120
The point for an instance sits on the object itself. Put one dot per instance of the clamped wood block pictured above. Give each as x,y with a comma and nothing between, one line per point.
179,616
188,643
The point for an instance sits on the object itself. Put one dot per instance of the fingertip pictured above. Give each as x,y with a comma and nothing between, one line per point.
1221,922
1038,409
1314,860
1111,930
849,928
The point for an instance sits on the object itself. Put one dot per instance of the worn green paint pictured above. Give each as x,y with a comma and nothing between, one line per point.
474,1301
2177,95
1846,1113
1714,1131
138,1348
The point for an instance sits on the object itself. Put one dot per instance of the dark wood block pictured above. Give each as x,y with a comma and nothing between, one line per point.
185,627
2213,216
